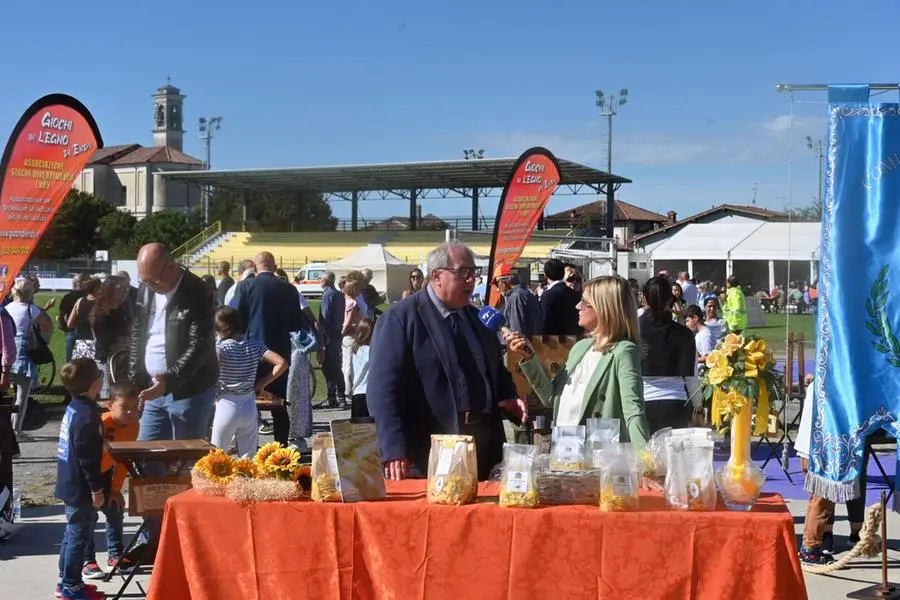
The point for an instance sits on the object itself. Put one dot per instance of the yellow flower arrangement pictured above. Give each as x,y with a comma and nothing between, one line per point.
263,454
739,372
217,467
283,463
245,467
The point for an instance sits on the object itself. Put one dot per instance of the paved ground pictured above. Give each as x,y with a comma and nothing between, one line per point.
28,561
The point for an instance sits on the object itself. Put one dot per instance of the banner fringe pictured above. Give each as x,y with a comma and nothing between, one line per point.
836,491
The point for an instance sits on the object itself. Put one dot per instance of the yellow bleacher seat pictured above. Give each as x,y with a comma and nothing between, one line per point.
293,250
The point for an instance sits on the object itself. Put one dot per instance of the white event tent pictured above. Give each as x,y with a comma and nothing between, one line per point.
758,252
390,275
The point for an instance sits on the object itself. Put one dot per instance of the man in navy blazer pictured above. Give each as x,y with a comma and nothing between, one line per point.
270,310
435,369
331,322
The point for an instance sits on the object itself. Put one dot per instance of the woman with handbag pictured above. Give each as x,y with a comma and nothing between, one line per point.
33,330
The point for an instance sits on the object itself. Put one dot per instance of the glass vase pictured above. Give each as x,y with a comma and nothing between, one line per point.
739,480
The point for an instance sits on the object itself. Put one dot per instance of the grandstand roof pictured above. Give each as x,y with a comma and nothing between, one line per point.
390,179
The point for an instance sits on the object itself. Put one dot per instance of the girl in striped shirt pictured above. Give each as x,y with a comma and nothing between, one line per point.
239,358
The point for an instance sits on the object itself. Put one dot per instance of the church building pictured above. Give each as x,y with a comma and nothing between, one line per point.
128,175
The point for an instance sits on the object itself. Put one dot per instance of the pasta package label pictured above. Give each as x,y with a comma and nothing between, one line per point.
356,460
517,481
452,470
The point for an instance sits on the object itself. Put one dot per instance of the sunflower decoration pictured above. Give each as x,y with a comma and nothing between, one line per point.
212,472
303,475
283,463
245,467
262,456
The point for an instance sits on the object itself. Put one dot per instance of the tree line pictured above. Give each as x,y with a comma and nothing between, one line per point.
86,223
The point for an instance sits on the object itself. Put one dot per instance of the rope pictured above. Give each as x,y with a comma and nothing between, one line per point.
869,544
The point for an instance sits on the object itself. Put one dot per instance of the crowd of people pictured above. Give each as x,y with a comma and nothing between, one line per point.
183,357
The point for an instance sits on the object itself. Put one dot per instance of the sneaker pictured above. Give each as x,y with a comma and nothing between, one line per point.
88,587
91,570
853,539
124,564
266,429
815,556
85,593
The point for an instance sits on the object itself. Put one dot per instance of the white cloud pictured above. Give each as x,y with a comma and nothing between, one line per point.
758,143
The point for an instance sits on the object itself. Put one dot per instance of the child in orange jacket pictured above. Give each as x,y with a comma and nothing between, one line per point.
120,424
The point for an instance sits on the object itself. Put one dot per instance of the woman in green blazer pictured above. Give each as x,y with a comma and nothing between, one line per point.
602,376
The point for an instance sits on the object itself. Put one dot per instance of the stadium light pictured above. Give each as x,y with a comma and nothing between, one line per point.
206,127
473,154
609,107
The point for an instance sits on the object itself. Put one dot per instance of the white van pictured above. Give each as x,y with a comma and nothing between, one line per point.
309,280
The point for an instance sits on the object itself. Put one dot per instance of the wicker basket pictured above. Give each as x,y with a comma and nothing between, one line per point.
568,487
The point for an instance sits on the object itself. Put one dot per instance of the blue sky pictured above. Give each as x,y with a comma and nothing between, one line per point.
301,83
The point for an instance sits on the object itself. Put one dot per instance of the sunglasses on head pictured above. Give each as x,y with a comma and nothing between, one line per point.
574,280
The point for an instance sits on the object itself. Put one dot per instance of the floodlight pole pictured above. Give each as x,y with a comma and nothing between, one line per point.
609,107
206,127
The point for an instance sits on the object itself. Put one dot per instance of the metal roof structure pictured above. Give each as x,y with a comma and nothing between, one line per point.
392,181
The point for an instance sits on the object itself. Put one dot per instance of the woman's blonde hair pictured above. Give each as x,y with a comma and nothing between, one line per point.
613,301
23,291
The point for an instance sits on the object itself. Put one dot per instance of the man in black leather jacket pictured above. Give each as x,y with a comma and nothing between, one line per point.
172,359
190,368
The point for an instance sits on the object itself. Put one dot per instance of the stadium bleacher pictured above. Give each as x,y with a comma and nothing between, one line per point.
293,250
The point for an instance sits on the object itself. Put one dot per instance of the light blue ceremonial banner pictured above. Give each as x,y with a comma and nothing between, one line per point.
857,385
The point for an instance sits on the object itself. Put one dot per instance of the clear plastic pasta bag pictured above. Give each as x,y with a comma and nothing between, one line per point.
690,480
517,479
452,470
600,433
620,478
326,483
567,448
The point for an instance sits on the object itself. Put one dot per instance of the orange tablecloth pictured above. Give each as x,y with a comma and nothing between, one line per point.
405,549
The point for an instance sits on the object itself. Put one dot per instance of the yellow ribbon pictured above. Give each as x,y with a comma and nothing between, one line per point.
721,398
762,408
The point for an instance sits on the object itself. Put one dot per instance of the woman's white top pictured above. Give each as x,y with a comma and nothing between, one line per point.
570,400
19,311
360,365
804,432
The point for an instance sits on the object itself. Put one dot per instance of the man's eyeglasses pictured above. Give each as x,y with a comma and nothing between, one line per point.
158,279
465,272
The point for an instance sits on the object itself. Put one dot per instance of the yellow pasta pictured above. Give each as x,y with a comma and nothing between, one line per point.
452,489
610,501
324,489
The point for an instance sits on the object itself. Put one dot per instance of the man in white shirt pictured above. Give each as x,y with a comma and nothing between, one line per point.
688,289
248,270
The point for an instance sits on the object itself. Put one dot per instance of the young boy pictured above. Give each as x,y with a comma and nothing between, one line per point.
120,424
79,481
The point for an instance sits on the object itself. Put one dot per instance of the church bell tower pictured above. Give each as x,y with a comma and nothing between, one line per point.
168,117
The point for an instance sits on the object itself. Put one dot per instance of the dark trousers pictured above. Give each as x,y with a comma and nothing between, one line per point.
331,369
668,413
359,409
281,425
489,438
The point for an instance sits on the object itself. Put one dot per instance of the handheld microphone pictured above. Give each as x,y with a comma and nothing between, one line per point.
494,320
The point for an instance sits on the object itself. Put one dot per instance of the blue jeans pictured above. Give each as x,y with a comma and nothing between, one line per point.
79,529
70,345
168,419
114,537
